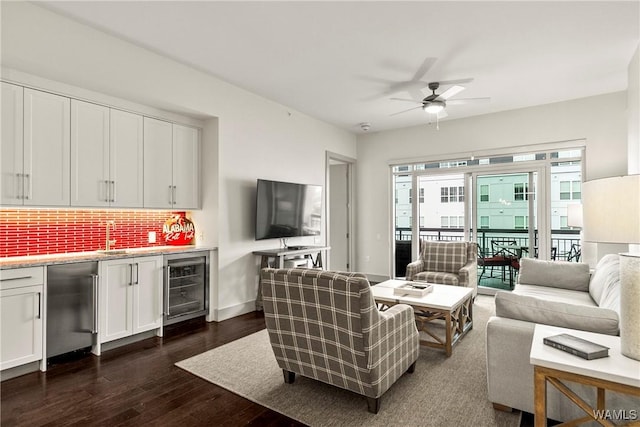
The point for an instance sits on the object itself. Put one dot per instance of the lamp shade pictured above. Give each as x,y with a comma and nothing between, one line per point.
574,215
611,210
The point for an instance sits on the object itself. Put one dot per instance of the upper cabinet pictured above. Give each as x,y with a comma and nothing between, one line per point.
106,157
90,180
127,159
12,180
35,147
186,167
171,165
58,151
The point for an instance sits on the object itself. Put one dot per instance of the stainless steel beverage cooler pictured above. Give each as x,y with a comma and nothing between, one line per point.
186,286
72,307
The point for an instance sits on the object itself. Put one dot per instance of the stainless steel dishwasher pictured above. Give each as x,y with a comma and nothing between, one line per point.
72,306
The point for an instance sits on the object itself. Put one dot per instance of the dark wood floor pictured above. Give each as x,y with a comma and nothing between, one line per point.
138,385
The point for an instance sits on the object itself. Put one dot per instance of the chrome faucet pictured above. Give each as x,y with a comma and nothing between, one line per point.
111,225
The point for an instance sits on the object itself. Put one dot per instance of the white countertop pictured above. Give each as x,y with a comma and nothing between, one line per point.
35,260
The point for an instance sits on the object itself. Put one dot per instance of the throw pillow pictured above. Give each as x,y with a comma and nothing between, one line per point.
604,287
556,274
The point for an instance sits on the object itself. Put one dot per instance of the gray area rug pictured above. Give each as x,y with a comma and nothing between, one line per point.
441,392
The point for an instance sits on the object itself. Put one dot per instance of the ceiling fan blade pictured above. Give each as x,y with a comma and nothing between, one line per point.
426,65
455,82
405,111
408,100
463,101
453,90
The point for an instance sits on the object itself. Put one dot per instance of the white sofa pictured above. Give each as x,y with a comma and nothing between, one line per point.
557,293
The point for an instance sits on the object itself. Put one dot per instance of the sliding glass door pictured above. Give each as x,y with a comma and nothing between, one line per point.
402,220
518,204
505,206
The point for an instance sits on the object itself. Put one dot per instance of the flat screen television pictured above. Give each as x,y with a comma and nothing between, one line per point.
286,209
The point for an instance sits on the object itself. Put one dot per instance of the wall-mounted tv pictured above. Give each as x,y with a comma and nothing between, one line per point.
286,209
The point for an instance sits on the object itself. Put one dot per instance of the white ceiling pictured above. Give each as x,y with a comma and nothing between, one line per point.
337,61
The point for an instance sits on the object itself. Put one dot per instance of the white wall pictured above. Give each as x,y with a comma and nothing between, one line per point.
244,136
633,113
601,120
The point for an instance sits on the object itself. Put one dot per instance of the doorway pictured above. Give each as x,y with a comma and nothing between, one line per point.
339,223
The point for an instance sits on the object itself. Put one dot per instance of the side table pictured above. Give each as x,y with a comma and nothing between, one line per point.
615,373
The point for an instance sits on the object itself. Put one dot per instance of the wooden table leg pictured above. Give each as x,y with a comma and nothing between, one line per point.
540,397
448,336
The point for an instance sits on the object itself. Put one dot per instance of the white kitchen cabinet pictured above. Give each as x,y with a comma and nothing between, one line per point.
126,151
46,165
90,180
130,297
158,182
186,167
171,165
21,314
106,157
12,181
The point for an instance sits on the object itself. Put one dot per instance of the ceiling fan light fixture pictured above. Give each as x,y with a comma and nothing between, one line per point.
433,107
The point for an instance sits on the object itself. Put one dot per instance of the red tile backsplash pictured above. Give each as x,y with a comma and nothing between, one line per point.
52,231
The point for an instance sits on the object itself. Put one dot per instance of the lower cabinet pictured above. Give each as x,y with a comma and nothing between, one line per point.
130,297
21,313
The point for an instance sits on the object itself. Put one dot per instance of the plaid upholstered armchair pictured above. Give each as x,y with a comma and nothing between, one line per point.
325,325
447,263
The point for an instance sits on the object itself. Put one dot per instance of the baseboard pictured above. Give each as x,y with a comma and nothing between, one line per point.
127,340
17,371
220,314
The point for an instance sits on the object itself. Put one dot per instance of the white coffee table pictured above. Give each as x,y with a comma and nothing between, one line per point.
452,304
615,372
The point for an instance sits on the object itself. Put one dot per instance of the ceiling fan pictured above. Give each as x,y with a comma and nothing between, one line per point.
437,103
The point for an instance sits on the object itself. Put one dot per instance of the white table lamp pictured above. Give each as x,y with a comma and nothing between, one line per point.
611,214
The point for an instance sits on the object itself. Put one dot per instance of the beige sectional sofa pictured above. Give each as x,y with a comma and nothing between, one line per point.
558,293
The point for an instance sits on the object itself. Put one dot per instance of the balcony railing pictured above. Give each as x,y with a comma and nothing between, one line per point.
562,241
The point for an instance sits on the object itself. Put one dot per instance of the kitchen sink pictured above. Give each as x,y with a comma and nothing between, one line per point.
112,251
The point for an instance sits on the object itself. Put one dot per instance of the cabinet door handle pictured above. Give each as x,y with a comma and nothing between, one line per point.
94,279
130,274
167,291
137,274
106,191
27,186
39,315
173,194
112,187
19,186
16,278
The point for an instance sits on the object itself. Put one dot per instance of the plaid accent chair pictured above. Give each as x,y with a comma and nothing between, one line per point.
325,325
447,263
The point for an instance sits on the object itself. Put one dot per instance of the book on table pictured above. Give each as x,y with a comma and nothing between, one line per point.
577,346
413,289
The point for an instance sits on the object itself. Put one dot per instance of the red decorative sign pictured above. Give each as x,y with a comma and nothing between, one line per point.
178,230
